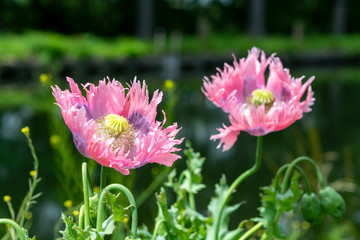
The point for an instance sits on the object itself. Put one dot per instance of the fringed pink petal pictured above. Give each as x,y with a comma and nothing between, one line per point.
227,137
153,142
108,97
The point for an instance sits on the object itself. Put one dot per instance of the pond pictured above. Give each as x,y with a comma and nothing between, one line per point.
330,134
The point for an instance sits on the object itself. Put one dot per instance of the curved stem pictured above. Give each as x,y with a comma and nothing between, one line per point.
251,231
20,232
86,194
292,166
239,180
298,169
102,177
306,180
156,229
130,197
279,172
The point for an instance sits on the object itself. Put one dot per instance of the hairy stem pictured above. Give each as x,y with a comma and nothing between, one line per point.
236,183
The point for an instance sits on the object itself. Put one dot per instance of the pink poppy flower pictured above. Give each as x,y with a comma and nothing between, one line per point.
116,126
253,105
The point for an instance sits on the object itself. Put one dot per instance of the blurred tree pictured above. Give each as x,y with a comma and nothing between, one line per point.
340,10
122,17
145,18
256,17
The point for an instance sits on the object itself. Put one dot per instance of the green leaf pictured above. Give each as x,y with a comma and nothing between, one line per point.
115,203
69,233
214,210
108,225
275,203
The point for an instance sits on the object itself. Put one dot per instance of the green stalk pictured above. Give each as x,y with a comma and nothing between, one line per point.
157,227
239,180
102,178
11,210
26,203
81,217
86,194
20,232
289,171
292,166
299,170
187,174
130,197
251,231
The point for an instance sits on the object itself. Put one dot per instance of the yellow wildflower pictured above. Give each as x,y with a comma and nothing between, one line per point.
26,131
68,204
169,84
7,198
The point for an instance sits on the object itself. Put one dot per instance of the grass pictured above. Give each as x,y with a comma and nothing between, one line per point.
44,47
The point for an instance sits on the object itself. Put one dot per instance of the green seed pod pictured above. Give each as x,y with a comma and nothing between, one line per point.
310,208
332,202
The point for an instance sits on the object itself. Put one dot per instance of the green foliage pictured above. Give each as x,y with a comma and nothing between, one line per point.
181,220
115,204
74,232
274,203
214,208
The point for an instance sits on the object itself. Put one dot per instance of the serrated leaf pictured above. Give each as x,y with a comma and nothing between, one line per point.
275,203
192,186
117,208
69,233
214,210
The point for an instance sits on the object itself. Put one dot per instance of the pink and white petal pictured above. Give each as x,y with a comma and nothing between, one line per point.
227,137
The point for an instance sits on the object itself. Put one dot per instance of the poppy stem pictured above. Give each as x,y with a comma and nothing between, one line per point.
130,197
237,182
103,172
293,165
86,195
298,169
20,232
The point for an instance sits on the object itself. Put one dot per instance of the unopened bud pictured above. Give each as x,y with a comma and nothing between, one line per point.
310,208
332,202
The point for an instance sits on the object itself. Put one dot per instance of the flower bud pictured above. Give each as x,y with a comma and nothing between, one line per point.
310,208
332,202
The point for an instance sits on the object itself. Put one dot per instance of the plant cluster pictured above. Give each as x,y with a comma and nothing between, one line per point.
116,126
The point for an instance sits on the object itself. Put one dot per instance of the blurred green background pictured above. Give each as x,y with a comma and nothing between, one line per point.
182,40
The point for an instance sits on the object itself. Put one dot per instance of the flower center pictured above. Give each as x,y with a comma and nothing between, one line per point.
115,124
116,127
260,96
